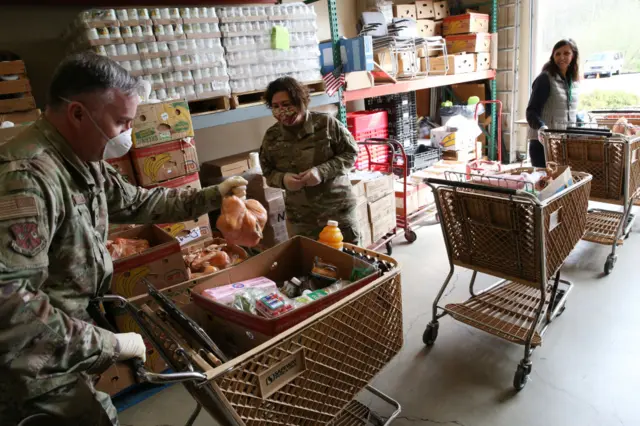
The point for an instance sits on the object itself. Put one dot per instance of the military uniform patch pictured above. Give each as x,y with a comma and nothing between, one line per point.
26,238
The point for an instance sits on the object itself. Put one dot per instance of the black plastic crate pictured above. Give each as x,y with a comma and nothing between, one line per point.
418,159
399,100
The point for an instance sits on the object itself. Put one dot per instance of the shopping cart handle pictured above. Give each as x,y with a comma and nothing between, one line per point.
584,132
466,185
162,379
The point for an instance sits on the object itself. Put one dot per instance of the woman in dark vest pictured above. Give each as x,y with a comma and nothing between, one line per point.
554,97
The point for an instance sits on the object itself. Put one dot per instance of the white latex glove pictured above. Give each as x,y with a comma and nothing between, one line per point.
236,185
311,177
541,132
293,182
130,346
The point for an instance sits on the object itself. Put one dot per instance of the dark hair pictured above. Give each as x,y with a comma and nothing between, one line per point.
573,72
298,93
86,73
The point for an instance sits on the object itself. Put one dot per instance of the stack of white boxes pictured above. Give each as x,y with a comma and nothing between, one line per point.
247,38
178,50
375,206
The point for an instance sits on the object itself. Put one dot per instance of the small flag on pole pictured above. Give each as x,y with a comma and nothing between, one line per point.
333,81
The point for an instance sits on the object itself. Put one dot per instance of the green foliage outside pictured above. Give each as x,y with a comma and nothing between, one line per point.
605,99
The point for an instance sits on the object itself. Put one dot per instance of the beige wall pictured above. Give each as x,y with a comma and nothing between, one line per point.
34,34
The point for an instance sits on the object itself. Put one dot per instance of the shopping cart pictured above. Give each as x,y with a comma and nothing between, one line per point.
508,233
612,160
307,375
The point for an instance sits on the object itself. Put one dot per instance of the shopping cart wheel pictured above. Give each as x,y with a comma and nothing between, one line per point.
411,236
610,263
389,248
521,377
431,333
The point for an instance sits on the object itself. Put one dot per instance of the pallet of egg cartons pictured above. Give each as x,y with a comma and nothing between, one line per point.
253,63
177,50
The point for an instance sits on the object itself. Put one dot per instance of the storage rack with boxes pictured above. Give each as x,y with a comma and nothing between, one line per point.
17,105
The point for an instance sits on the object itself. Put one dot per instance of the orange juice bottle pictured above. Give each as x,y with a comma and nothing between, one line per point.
331,235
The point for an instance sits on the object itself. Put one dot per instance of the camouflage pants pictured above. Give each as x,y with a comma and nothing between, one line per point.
74,404
311,228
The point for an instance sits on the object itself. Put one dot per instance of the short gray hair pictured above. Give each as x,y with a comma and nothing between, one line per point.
88,73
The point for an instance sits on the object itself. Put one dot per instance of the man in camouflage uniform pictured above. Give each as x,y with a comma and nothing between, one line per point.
57,198
309,155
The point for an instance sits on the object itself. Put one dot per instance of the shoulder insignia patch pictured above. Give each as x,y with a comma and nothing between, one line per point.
18,206
26,238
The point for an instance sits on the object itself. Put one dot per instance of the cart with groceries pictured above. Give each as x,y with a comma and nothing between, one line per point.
259,361
519,226
608,150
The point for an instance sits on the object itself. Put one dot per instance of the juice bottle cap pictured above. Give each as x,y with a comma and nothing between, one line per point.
296,281
332,223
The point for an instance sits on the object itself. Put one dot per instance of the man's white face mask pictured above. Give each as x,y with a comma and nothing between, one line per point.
117,146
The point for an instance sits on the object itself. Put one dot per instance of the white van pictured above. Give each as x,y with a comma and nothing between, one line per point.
603,64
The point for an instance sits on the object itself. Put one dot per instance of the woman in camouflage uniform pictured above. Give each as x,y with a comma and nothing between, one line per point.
309,155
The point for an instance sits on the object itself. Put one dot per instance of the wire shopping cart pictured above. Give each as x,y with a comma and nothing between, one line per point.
309,374
612,160
491,228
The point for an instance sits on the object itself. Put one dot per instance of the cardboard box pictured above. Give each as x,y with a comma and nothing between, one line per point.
408,64
117,378
291,258
483,61
382,227
124,166
376,188
358,80
469,43
452,140
272,199
17,104
405,11
383,208
225,167
357,54
458,64
465,24
364,230
184,182
326,57
424,9
426,28
441,9
189,232
412,197
162,264
362,210
161,122
439,27
358,190
164,162
462,155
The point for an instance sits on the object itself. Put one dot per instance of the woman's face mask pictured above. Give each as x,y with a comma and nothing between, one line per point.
286,115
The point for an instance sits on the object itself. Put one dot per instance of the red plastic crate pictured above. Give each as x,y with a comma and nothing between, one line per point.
368,134
367,121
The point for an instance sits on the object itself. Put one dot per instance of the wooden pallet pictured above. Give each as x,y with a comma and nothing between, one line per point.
256,97
206,106
15,95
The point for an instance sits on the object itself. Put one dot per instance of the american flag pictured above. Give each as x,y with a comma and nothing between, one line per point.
333,81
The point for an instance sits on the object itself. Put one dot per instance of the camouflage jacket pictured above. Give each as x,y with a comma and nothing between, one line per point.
321,142
53,225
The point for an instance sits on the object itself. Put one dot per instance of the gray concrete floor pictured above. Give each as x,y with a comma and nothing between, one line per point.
583,375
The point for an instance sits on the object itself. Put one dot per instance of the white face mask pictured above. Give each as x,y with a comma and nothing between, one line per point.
117,146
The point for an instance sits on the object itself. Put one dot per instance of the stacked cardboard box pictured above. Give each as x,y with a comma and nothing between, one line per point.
468,38
375,207
253,37
17,105
164,155
178,51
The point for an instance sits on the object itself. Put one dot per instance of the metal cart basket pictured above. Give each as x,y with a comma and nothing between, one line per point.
508,233
613,161
307,375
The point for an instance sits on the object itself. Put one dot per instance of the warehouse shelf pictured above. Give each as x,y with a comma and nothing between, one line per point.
418,84
206,120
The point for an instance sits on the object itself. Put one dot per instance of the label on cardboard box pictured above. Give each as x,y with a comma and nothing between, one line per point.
189,231
163,162
188,181
161,122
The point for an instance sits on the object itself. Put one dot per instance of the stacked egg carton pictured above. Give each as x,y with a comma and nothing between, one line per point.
246,37
178,50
